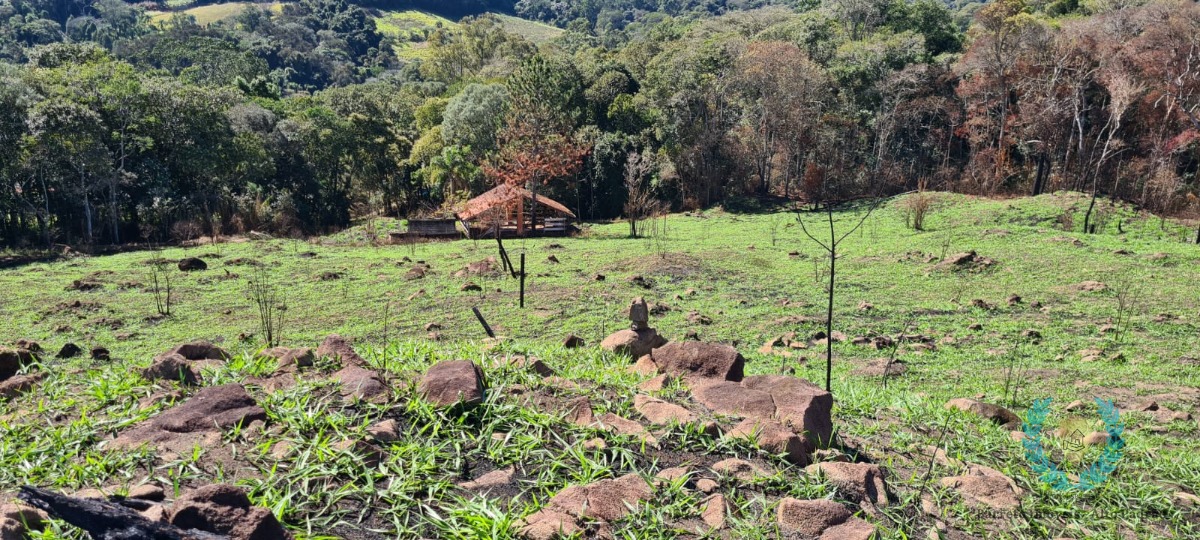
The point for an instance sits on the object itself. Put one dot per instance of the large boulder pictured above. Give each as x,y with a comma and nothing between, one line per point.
635,343
696,359
800,404
732,398
199,420
226,510
453,382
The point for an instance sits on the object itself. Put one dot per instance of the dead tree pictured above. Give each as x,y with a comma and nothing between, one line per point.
108,520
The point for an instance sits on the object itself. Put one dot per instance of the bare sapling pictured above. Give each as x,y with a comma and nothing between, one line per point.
270,303
830,247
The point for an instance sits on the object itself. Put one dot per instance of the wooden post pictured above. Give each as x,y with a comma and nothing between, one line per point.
483,322
521,216
522,280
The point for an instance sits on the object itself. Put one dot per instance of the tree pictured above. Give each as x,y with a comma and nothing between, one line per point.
639,201
474,117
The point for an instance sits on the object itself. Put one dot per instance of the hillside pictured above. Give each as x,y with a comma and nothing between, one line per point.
1040,311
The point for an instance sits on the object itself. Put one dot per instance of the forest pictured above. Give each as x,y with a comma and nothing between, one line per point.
116,128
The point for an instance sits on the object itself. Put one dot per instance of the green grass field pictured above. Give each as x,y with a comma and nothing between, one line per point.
208,14
751,277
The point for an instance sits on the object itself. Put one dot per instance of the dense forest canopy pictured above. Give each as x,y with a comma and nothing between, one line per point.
116,127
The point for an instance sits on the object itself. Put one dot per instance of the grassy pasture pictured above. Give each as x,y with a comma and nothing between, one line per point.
753,276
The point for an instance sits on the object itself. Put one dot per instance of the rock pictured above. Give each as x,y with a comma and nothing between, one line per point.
799,404
552,259
853,529
1187,499
209,412
655,384
672,474
606,500
23,519
995,413
548,525
635,343
657,411
70,350
738,468
370,454
491,480
696,359
192,264
990,491
573,341
198,350
13,360
644,366
338,347
865,306
289,360
624,426
772,437
713,513
416,272
1095,438
578,411
454,382
225,509
861,481
695,317
362,384
809,518
639,314
16,386
1091,286
532,365
172,367
385,431
148,492
734,399
707,485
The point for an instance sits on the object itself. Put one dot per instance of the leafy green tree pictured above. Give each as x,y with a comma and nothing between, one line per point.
475,116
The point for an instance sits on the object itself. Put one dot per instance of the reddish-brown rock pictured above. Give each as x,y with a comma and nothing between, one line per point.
453,382
697,359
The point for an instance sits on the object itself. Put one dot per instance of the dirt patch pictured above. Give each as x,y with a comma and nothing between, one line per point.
674,265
